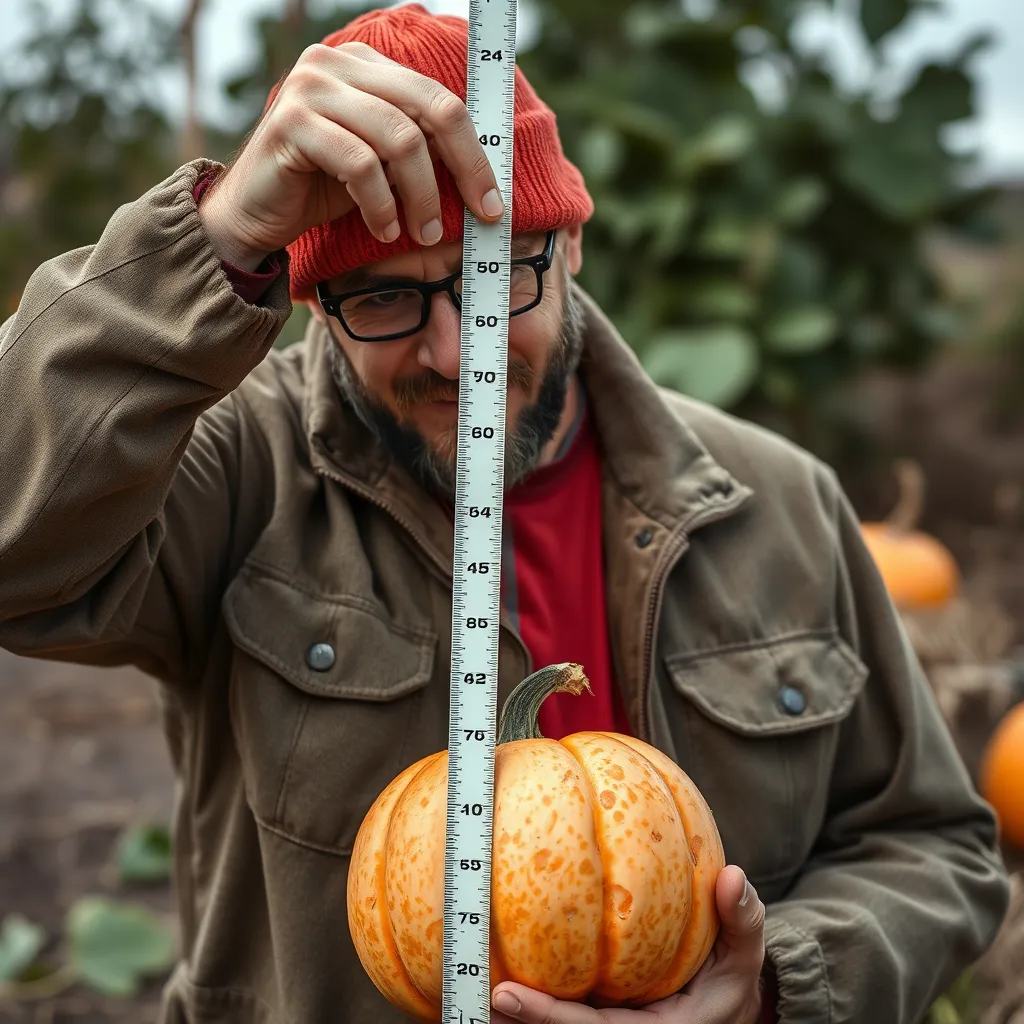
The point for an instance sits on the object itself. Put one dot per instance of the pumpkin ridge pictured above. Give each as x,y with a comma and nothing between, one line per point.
418,941
406,973
626,942
381,939
688,957
602,955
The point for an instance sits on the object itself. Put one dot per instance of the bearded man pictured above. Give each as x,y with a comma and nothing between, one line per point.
268,533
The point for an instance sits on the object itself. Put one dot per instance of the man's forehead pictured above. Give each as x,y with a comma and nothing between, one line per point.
407,264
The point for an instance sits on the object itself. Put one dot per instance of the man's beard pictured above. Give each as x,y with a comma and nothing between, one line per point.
434,465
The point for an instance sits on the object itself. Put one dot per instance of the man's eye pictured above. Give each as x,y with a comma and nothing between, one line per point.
381,300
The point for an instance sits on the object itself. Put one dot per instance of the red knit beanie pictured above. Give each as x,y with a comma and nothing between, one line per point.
548,191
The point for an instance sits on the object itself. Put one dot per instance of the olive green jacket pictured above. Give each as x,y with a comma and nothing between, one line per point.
176,494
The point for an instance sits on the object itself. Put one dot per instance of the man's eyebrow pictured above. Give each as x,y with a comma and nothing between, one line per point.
364,277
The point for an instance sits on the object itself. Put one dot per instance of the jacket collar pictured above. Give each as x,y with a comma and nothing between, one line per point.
655,459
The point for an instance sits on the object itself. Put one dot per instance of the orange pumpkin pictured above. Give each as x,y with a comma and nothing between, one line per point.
605,858
1001,777
919,571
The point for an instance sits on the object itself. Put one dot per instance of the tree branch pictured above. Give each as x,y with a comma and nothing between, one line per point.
193,139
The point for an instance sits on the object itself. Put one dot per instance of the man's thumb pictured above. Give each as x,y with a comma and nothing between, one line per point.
740,910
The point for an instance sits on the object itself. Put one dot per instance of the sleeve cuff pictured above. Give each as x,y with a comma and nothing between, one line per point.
248,286
802,994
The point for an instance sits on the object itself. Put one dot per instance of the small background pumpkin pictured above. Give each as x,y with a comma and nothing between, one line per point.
919,571
605,859
1001,776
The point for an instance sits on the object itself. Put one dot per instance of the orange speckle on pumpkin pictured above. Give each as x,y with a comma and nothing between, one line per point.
696,845
607,798
655,835
615,772
586,867
541,858
622,901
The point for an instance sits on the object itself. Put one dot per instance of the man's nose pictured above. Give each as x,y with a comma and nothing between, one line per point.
440,340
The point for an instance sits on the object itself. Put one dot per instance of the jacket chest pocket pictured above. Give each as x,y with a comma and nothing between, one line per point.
325,693
762,726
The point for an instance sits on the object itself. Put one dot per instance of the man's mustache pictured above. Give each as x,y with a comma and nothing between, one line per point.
431,386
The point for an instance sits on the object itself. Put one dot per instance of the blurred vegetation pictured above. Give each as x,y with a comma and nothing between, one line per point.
81,129
758,252
758,247
110,944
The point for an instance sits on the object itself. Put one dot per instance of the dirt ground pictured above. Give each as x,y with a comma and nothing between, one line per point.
82,755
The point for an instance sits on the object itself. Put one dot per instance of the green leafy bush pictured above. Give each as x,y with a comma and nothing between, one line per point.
756,255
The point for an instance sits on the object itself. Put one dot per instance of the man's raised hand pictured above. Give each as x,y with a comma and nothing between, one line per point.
346,124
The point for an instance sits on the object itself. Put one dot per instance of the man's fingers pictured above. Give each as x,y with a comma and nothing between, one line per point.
398,143
345,156
439,113
741,938
519,1003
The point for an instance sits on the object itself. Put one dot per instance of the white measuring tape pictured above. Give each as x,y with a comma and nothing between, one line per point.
476,602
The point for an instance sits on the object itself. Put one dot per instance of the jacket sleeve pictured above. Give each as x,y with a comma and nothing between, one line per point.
906,887
126,452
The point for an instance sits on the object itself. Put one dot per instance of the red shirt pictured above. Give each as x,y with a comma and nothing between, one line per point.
553,582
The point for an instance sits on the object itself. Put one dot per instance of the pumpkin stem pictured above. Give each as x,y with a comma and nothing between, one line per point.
519,715
907,512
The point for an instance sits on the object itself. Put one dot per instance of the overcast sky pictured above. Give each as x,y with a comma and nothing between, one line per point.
225,43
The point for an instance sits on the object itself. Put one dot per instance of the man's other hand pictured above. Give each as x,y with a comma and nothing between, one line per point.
726,989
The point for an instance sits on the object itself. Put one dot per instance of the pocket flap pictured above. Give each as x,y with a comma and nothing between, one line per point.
370,657
779,686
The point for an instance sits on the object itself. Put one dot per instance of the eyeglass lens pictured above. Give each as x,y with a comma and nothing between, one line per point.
393,310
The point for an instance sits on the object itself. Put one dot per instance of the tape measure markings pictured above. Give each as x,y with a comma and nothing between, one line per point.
476,599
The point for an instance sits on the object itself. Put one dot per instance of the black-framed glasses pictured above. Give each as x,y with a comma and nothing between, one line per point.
386,312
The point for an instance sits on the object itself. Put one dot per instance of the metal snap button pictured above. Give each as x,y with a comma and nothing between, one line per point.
792,700
320,657
644,537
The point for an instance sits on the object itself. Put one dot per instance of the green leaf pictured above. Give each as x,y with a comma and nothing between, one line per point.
938,96
799,273
943,1012
725,236
669,215
782,388
716,364
800,201
115,945
600,152
904,174
724,141
721,299
20,941
871,335
144,854
805,329
880,17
